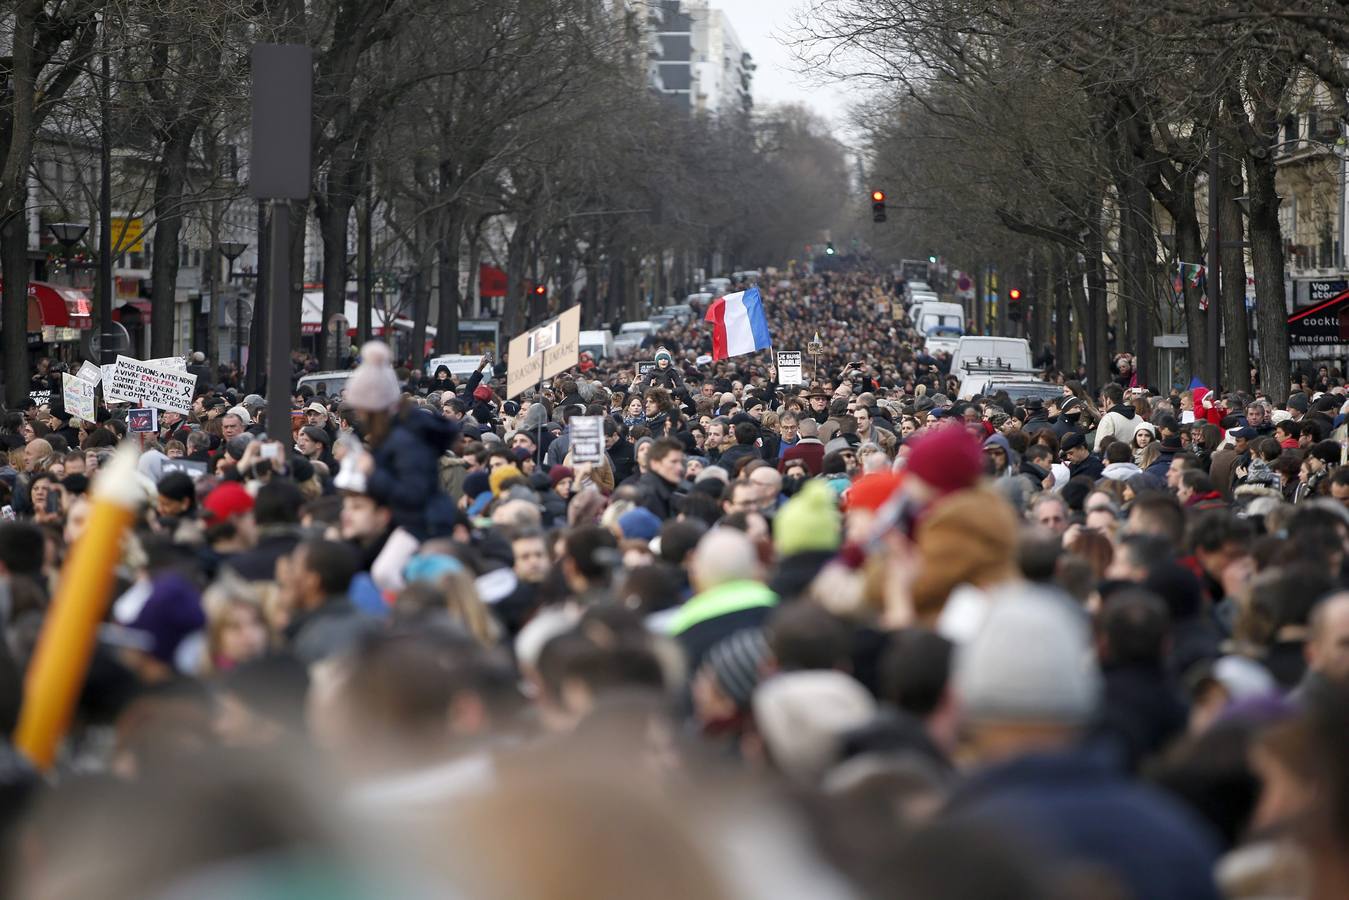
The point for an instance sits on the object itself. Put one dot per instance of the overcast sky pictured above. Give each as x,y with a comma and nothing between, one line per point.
760,24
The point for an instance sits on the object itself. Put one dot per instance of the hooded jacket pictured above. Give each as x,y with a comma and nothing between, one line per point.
1120,471
1120,423
407,469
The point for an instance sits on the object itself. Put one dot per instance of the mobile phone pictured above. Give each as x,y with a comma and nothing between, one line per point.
270,451
53,500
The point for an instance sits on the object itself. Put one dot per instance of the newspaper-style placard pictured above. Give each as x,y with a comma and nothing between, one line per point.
644,368
142,421
587,439
789,367
134,381
90,373
78,395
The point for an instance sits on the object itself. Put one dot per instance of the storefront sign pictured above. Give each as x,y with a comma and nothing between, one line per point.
1325,323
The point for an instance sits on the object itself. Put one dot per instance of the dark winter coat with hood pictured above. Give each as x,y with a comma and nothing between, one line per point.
407,470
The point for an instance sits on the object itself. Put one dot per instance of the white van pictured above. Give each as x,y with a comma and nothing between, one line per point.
600,344
1013,353
327,384
934,314
717,287
631,335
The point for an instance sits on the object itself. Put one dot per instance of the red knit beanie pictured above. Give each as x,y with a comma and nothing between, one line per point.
948,459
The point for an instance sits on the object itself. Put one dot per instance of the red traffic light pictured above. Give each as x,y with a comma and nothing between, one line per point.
1014,294
540,289
878,196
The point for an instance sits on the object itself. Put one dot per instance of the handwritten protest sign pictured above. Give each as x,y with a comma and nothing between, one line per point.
79,397
133,381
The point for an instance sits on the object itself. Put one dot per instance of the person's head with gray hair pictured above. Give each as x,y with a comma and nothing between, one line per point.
722,556
517,514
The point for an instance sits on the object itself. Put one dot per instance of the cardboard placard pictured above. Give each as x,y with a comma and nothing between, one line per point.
587,439
89,372
172,363
78,395
41,398
134,381
142,421
789,367
105,377
539,354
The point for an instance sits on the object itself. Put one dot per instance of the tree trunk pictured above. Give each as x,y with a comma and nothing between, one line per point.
16,129
334,215
257,329
1189,249
1097,306
513,306
447,327
980,297
299,224
168,214
1271,318
1065,348
1136,278
1237,353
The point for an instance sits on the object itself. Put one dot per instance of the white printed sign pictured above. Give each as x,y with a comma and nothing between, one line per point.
789,367
703,360
172,363
134,381
90,373
587,439
79,397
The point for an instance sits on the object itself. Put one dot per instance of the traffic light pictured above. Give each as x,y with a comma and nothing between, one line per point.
1014,304
540,291
1014,294
829,249
878,206
932,260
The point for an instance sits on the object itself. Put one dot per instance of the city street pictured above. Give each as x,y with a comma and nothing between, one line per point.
674,449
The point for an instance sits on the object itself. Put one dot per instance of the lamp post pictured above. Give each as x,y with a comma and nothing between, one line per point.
232,250
68,234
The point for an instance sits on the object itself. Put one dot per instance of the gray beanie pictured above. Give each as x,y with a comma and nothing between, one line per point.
1030,662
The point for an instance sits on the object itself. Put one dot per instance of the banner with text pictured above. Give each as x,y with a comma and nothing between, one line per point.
789,367
133,381
587,439
540,353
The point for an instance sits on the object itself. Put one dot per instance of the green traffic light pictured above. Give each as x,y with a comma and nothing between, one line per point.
932,259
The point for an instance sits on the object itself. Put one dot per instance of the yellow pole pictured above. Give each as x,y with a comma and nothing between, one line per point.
61,660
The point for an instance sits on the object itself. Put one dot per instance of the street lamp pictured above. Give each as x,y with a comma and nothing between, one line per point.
232,250
68,234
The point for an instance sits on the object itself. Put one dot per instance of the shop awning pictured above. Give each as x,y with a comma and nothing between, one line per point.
136,306
57,306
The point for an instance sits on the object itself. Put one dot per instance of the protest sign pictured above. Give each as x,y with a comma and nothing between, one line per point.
789,367
587,439
105,376
703,360
644,369
89,372
78,395
142,421
41,398
192,469
172,363
134,381
543,352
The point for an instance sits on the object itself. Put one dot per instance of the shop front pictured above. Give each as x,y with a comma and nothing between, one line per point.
58,317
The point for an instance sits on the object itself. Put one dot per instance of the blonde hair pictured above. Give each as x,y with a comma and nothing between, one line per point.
226,594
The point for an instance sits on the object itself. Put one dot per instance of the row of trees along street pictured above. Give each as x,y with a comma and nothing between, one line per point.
438,126
1067,144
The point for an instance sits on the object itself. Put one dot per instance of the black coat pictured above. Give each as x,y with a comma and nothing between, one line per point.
1091,467
407,467
657,495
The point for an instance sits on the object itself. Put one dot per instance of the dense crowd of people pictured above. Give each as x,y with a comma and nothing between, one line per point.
847,639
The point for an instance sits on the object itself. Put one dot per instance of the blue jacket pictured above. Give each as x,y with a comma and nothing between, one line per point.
407,470
1078,808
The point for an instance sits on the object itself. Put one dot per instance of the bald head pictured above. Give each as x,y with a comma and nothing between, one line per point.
723,555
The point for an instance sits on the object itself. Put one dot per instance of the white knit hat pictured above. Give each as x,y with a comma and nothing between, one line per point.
803,716
374,386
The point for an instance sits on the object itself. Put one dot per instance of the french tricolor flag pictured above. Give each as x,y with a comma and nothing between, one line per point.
738,324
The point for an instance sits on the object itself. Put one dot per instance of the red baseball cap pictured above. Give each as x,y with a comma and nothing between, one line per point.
229,499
